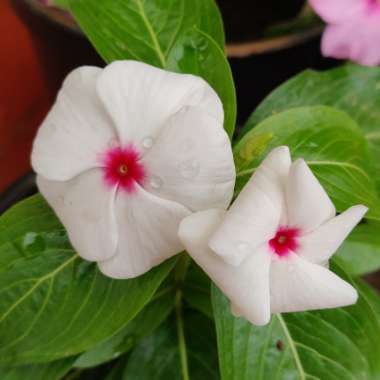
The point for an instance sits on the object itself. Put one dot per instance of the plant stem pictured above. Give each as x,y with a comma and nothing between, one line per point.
180,274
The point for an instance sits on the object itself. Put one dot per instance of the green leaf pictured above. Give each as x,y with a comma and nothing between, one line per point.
53,304
117,371
49,371
197,290
181,35
360,253
330,142
61,3
197,53
320,345
141,326
158,357
353,89
144,30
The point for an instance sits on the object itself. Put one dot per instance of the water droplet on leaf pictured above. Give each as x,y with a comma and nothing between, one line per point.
33,243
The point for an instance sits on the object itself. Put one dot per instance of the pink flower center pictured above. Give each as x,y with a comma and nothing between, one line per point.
122,167
285,241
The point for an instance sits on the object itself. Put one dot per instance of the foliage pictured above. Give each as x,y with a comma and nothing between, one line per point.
59,315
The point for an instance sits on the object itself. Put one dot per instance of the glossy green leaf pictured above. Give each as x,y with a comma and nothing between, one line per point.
330,142
197,290
360,253
353,89
141,326
53,304
320,345
49,371
197,53
159,356
181,35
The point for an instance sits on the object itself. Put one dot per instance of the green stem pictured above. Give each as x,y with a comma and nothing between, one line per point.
181,337
180,274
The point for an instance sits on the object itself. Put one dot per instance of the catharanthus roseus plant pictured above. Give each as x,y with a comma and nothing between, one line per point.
166,246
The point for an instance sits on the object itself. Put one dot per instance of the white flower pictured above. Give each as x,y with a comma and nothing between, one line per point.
269,252
125,154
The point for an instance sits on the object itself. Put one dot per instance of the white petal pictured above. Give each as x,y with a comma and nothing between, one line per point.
76,130
140,98
255,215
247,286
85,206
193,158
308,204
321,244
297,285
148,229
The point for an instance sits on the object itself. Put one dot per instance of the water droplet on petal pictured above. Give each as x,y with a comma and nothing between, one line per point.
243,248
147,142
291,268
67,201
189,169
155,182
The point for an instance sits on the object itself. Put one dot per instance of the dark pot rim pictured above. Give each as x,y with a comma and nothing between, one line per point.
25,186
233,49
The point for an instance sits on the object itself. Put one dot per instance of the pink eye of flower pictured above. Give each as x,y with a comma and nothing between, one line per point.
285,241
122,167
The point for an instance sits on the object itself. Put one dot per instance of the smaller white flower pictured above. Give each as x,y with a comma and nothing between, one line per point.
269,253
125,154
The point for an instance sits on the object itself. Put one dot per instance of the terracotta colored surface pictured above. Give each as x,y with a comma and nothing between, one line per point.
24,97
35,55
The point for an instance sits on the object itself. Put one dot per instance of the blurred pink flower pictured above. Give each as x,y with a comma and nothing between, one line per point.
353,30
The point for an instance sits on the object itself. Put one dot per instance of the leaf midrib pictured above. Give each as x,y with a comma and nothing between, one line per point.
245,172
293,348
152,33
40,281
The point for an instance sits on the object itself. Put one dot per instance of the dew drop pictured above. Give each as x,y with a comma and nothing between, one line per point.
291,268
156,182
33,243
147,142
189,169
67,201
243,247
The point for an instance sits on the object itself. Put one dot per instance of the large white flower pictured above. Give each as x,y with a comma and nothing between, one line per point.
269,252
125,154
